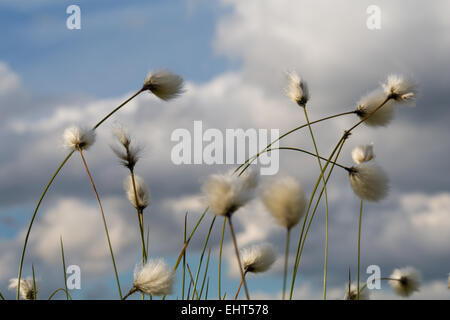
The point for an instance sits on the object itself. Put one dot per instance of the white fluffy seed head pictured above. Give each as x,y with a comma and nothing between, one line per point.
370,102
164,84
155,278
77,137
142,192
353,294
27,291
258,258
296,89
286,201
369,181
226,193
363,153
405,281
400,88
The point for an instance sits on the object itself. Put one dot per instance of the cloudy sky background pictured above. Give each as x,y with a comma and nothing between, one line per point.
233,55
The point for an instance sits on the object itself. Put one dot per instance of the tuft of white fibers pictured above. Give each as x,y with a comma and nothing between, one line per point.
286,201
142,192
363,153
154,278
130,153
77,137
369,103
297,89
353,294
369,181
258,258
400,88
405,281
226,193
26,287
164,84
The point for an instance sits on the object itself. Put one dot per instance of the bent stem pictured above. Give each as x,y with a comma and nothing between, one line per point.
240,285
27,236
64,267
248,162
103,219
359,247
286,260
44,192
236,251
325,267
140,213
132,290
220,256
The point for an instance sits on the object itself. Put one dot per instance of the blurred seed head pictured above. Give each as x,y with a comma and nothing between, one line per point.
164,84
258,258
286,201
405,281
154,278
369,181
363,153
76,137
142,192
296,89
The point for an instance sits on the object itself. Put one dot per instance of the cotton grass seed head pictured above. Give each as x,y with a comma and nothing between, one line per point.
226,193
400,88
296,89
353,294
154,278
78,138
27,291
286,201
142,192
258,258
369,181
164,84
127,153
405,281
363,153
369,103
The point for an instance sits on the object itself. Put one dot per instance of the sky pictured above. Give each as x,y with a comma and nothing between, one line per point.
233,56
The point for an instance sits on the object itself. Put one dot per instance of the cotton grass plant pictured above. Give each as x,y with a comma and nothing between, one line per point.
226,193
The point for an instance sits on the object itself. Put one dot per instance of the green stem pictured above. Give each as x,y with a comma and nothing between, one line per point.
56,291
236,251
64,267
206,272
140,214
184,256
220,256
27,236
240,285
286,260
117,108
34,283
359,246
247,164
104,221
203,253
325,267
44,192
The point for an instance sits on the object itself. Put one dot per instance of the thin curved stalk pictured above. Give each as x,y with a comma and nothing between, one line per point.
1,296
359,247
325,267
103,219
140,214
203,253
240,286
236,251
27,236
56,291
300,240
247,164
220,256
184,257
34,283
206,273
64,267
286,260
338,145
44,192
192,280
